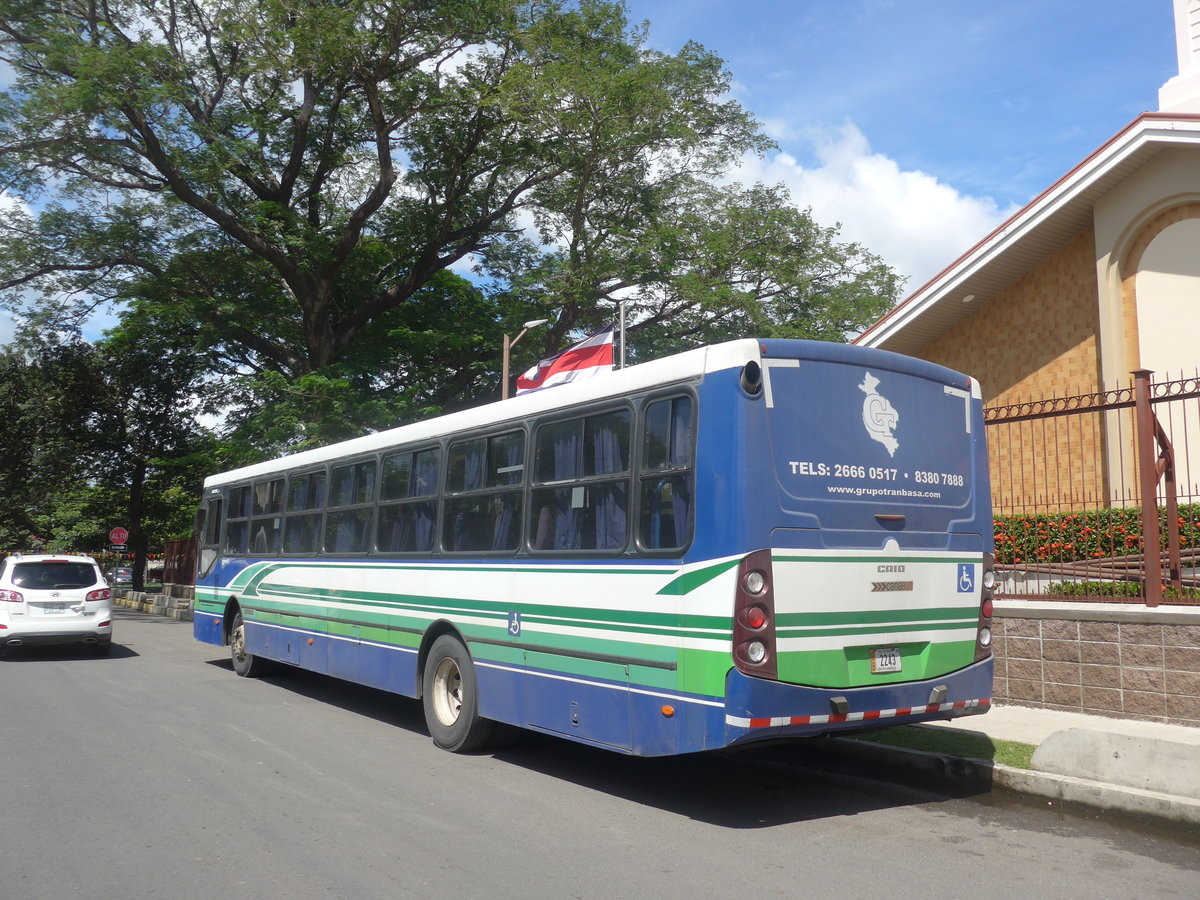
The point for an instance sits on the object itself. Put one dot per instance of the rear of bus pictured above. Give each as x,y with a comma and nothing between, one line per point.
865,597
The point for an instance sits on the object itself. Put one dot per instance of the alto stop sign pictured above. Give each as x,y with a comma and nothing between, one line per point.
118,535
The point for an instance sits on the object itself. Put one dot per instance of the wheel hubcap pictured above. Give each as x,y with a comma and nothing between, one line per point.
237,643
447,691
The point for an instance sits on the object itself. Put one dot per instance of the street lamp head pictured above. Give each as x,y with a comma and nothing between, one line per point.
508,345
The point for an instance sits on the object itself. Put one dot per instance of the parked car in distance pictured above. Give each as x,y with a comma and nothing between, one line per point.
120,576
54,599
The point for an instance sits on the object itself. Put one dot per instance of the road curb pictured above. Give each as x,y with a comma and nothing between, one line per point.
1098,795
982,773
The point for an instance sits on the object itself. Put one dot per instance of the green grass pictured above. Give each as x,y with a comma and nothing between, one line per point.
953,743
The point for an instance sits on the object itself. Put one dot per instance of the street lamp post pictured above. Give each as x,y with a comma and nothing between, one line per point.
508,345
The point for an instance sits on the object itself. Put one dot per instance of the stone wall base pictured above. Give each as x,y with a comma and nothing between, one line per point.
158,604
1120,660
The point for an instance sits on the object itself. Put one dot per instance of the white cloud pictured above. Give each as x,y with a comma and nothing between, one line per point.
917,224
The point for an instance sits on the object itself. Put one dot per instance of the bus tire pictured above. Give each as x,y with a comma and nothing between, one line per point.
245,664
450,697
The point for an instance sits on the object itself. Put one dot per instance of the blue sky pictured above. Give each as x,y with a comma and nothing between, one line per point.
920,125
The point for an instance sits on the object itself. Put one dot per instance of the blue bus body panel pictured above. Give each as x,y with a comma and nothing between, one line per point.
603,713
208,628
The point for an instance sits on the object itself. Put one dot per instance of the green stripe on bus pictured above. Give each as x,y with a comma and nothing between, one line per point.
252,576
565,615
689,581
887,627
865,616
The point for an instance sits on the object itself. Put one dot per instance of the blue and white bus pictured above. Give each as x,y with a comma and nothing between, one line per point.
747,541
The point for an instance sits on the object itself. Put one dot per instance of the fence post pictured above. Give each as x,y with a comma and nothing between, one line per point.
1148,483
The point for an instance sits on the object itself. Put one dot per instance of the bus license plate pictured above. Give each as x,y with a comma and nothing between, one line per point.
885,659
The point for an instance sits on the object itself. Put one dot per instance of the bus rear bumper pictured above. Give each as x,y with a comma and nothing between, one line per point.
758,709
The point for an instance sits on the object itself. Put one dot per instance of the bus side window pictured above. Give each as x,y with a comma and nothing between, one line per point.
351,511
212,529
407,523
666,476
583,464
487,473
302,524
237,525
267,524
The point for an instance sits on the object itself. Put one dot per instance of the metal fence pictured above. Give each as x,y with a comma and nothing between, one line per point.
1069,475
179,561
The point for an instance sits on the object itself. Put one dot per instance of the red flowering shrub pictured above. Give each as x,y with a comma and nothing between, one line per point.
1095,534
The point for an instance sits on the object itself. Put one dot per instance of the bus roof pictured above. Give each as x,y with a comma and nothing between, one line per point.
680,367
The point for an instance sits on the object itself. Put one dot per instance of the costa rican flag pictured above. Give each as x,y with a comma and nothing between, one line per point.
591,356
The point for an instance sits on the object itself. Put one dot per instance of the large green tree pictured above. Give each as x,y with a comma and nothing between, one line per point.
336,156
302,185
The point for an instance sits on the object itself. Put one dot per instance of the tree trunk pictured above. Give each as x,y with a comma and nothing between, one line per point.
137,536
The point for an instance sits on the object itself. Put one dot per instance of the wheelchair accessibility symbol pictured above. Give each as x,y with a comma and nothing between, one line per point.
966,578
514,623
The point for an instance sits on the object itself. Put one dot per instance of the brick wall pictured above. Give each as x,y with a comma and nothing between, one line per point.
1036,338
1121,661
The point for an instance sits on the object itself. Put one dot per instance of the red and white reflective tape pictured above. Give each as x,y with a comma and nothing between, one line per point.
778,721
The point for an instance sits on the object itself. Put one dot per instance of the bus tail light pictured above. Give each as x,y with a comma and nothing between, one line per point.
754,617
983,637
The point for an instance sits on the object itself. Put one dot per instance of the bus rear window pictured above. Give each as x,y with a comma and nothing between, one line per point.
845,433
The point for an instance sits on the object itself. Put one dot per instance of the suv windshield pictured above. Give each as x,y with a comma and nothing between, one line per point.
44,576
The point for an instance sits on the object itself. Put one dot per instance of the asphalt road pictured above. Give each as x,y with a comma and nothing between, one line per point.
158,773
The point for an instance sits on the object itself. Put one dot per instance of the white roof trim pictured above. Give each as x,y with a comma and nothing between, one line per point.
1067,200
680,367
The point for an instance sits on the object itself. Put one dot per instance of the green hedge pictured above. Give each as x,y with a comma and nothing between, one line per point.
1097,534
1115,589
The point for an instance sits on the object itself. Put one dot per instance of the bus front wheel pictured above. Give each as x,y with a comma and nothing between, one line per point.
244,663
451,698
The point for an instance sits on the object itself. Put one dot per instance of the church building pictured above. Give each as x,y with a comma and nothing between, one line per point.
1098,276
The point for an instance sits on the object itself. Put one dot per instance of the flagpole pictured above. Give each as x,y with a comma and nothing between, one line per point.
504,367
621,303
508,345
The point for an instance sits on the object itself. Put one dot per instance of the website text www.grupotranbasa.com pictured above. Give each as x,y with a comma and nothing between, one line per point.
883,492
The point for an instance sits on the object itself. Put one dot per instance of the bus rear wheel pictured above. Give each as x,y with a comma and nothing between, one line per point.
245,664
451,698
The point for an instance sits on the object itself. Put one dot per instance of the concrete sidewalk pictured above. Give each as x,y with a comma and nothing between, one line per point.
1145,768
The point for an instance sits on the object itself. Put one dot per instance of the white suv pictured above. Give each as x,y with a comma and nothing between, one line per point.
54,600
